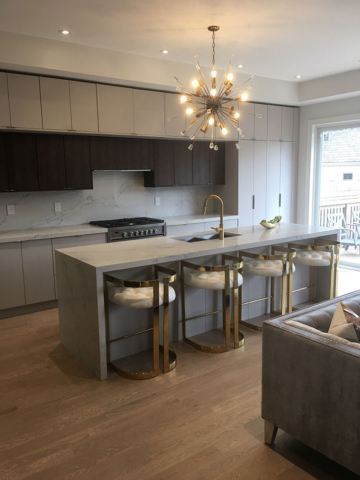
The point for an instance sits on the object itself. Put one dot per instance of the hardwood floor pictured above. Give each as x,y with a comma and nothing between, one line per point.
202,421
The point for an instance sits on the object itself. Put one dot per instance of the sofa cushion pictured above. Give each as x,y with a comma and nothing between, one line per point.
345,323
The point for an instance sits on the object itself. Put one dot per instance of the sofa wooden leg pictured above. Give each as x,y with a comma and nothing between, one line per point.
270,432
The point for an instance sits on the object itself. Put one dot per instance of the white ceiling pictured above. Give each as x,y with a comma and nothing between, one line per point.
272,38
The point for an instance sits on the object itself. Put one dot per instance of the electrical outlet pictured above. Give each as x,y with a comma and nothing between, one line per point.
157,200
57,207
10,209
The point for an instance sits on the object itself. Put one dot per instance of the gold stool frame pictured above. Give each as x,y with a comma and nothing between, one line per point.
170,359
322,246
238,336
286,282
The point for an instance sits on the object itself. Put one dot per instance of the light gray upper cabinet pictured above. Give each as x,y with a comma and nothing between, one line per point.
260,172
261,126
11,276
84,117
173,108
55,103
38,271
247,122
24,99
273,168
287,124
246,182
115,109
286,181
4,101
274,122
149,108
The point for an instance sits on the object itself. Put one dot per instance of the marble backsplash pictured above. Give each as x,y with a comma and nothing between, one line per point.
115,195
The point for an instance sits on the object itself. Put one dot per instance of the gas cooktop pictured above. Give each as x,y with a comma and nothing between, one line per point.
126,222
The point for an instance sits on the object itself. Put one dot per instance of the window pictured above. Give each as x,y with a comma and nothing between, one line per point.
347,176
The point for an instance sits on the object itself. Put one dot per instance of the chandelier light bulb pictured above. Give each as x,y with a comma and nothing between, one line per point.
183,99
230,76
211,145
216,147
237,115
224,130
213,73
195,84
189,111
213,92
211,120
244,97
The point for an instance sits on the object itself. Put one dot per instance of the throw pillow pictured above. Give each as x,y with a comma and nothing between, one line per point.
345,323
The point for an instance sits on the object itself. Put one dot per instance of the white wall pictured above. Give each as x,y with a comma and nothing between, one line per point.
115,195
323,112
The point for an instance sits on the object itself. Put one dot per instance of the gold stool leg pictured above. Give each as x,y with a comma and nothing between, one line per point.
290,286
332,274
283,290
239,339
156,340
226,310
337,250
272,299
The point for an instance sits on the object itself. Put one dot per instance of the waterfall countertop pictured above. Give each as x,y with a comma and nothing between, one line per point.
135,253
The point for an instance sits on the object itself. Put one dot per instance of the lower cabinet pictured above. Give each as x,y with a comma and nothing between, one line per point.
38,271
12,292
200,227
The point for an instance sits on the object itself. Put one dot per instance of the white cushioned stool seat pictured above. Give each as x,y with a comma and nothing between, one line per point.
315,258
210,280
138,297
266,268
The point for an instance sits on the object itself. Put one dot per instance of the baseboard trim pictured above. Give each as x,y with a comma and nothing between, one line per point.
24,309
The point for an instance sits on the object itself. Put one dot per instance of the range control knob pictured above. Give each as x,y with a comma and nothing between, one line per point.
136,234
146,232
125,234
131,234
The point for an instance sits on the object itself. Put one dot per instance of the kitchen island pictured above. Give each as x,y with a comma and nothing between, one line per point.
80,281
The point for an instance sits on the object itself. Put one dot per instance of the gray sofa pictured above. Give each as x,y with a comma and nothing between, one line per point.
311,382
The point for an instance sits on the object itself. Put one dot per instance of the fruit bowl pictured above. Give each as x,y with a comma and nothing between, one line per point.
271,223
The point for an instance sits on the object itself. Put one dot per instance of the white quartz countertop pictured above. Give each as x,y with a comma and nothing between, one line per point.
187,219
49,232
135,253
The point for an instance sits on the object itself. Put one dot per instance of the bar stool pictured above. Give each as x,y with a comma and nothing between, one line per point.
145,294
324,253
273,265
215,277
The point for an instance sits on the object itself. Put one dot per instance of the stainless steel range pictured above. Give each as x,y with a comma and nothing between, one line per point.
132,228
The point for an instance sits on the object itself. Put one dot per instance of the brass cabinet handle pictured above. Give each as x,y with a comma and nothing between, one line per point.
253,202
279,199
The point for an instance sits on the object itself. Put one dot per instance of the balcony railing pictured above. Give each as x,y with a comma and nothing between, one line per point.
345,208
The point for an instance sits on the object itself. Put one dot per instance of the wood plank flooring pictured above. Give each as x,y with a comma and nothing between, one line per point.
200,422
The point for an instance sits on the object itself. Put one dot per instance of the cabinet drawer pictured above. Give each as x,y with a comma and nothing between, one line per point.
184,229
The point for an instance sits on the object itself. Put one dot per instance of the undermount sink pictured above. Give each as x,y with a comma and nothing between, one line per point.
208,236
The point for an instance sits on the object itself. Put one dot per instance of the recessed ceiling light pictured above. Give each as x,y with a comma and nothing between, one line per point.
64,32
240,66
164,51
298,76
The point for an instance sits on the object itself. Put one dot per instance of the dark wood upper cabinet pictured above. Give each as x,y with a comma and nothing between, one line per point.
217,165
164,165
51,162
141,154
183,163
77,162
4,175
22,162
201,163
109,153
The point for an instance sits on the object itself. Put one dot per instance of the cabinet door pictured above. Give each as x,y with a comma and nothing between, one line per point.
4,176
247,120
115,109
141,154
201,163
77,162
217,165
273,166
11,276
51,162
287,124
174,115
84,117
246,182
24,99
22,162
164,163
259,181
261,124
55,103
274,122
286,181
4,101
183,163
38,271
109,153
149,110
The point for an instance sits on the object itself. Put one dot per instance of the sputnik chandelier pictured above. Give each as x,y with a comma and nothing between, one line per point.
216,107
